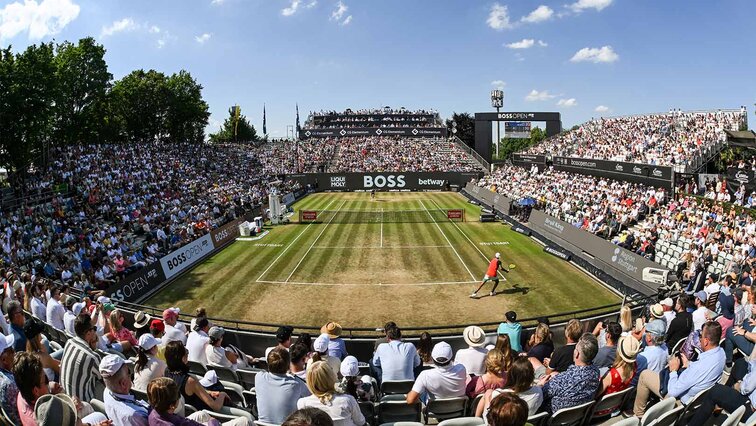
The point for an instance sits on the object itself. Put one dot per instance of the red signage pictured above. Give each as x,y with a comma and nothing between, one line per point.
309,215
454,214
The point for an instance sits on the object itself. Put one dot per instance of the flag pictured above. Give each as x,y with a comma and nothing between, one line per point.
298,127
265,128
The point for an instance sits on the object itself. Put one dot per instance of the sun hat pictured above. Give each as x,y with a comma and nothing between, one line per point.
55,410
321,343
332,329
442,352
141,319
474,336
110,365
216,332
628,348
147,341
349,367
657,311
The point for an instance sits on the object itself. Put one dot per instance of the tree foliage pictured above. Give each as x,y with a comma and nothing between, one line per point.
60,95
245,131
509,146
465,127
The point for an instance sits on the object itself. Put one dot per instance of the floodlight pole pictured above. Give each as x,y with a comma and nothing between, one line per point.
497,101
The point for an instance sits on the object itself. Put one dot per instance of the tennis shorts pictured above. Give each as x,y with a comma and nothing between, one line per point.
486,278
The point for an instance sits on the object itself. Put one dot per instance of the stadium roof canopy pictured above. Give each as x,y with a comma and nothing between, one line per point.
745,139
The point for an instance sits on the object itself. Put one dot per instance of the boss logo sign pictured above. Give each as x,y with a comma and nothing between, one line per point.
381,181
222,235
180,259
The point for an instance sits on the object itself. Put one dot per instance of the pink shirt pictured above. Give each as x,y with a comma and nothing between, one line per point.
124,335
25,412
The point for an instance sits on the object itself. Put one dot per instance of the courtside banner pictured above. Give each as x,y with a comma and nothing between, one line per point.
419,132
230,231
634,172
411,181
186,256
138,284
526,160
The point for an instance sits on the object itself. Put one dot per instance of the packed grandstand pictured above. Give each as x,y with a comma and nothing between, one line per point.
101,213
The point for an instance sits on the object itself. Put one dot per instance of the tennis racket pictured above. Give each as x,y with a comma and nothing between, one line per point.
512,266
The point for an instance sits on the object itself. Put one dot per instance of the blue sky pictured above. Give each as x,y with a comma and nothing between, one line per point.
584,58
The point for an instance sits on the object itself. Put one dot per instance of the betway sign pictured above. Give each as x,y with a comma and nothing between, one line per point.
412,181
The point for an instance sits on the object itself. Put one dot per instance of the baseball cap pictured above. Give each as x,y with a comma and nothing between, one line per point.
110,365
33,327
498,255
169,313
77,307
147,341
216,332
157,325
210,378
70,302
321,343
349,367
628,348
442,352
702,296
284,333
668,302
656,328
6,342
175,309
103,300
511,316
55,410
108,307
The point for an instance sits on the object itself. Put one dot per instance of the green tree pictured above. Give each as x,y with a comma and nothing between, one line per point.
509,146
140,100
465,127
83,82
187,111
245,131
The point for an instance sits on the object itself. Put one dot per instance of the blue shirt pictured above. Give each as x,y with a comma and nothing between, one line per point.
701,374
337,348
652,358
125,410
397,360
575,386
277,396
19,338
748,385
513,330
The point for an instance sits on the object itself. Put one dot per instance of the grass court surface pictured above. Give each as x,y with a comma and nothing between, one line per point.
363,274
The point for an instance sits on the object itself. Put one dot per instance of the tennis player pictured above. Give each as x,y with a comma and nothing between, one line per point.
492,275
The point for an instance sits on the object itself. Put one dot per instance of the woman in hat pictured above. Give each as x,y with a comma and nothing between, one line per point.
321,346
321,380
618,377
141,323
336,345
351,384
148,366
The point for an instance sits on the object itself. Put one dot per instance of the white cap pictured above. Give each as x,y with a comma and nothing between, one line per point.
77,307
349,367
147,341
103,300
442,352
321,343
110,365
176,310
498,255
6,342
668,302
210,378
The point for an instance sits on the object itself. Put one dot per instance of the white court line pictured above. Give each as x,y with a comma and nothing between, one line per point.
447,240
381,226
369,284
316,240
377,247
290,244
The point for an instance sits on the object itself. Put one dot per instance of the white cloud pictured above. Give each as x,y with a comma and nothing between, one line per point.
312,4
498,18
525,43
39,20
535,95
602,108
154,29
217,1
201,39
567,103
540,14
542,43
596,55
499,84
125,24
346,20
581,5
341,9
292,9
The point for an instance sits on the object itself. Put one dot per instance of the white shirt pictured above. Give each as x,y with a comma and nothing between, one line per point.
669,315
68,322
124,410
55,313
195,345
39,309
533,397
474,360
699,317
155,368
442,382
342,407
173,334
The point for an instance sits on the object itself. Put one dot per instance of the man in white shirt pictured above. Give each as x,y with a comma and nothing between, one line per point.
55,310
69,318
217,354
474,357
396,359
699,315
447,380
669,310
38,308
170,318
121,407
198,341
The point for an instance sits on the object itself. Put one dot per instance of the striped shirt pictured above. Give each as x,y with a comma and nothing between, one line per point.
79,369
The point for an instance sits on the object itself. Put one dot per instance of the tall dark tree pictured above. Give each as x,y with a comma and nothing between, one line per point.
245,131
465,127
187,111
140,101
83,82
